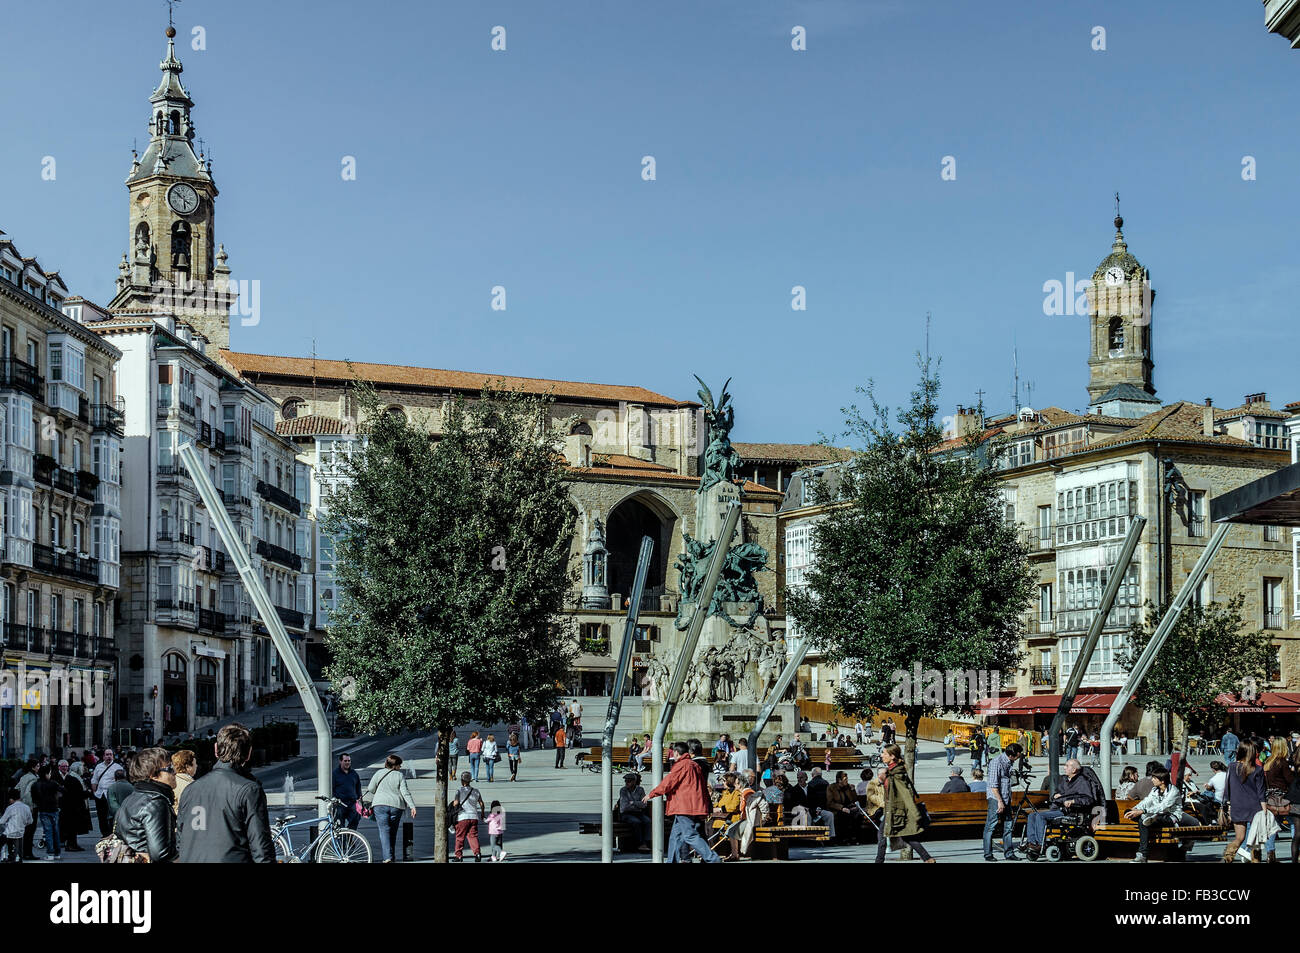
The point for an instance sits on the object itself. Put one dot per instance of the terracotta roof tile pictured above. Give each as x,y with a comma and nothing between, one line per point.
623,460
791,452
309,425
401,375
1178,423
1254,410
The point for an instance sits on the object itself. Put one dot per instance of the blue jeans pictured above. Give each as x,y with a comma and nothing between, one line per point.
686,833
50,825
952,755
1006,818
1036,826
473,765
386,818
490,763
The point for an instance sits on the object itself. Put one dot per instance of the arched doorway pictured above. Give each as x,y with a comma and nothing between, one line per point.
640,515
175,693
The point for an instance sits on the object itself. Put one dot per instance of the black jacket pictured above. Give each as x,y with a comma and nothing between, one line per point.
817,793
1077,789
146,822
955,785
223,819
45,795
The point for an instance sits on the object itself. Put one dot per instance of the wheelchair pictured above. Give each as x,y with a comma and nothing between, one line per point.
1070,836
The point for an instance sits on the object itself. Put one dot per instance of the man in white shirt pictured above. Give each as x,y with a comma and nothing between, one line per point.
100,782
740,759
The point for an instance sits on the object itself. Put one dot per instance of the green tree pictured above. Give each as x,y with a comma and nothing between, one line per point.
912,563
1209,652
453,563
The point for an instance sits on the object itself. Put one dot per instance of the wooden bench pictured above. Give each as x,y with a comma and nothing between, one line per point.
1120,830
967,809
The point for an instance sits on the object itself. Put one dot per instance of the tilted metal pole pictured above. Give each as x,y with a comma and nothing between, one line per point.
703,599
1158,639
774,699
616,704
270,618
1135,527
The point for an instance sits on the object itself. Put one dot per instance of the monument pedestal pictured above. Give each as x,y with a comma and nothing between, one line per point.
737,719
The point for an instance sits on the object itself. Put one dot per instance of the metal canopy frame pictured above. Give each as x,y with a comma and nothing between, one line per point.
270,618
1274,500
616,703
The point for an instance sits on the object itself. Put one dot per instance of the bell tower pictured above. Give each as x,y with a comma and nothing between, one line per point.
173,264
1120,304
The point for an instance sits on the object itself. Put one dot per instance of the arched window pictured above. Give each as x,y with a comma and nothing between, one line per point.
1116,334
174,123
291,408
174,664
142,239
181,246
396,411
581,428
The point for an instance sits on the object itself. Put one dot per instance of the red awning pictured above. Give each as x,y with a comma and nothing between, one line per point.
1085,703
1267,703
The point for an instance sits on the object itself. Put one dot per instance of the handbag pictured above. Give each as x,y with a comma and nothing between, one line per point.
1277,802
113,850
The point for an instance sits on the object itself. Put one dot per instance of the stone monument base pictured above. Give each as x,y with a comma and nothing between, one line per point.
706,722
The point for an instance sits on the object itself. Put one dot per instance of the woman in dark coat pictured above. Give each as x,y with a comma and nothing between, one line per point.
1247,795
146,821
74,815
902,815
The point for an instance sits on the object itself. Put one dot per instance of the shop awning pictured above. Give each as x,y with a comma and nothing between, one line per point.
1266,703
586,662
1085,703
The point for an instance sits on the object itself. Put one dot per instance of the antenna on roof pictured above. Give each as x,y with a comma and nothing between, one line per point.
1029,393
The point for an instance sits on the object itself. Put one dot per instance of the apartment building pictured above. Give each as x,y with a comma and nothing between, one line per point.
60,443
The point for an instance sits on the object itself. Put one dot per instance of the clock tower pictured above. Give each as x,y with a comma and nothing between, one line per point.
173,265
1120,305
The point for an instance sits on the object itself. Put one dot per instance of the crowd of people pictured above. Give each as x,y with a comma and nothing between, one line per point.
705,816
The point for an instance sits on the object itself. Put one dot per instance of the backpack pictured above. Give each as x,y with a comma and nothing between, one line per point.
1095,789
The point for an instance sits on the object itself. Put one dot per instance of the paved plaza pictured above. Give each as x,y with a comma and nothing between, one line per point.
546,805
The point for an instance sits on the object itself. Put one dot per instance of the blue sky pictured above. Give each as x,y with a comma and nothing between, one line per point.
775,168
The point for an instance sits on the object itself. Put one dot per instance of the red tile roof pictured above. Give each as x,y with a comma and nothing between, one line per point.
401,375
790,452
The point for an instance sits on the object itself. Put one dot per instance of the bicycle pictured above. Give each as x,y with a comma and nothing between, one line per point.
334,843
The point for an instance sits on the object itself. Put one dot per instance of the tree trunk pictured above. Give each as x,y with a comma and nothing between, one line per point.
440,797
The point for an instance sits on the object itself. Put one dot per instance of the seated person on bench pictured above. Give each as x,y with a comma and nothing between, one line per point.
1163,807
639,756
1074,794
632,810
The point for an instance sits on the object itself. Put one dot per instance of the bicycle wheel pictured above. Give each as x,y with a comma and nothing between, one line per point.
283,855
344,847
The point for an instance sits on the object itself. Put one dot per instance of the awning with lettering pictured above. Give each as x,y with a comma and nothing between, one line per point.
1085,703
1265,703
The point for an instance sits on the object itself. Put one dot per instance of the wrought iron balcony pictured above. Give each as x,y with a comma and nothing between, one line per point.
278,554
21,376
105,648
1274,619
1042,675
108,417
211,620
204,436
279,497
219,440
24,638
65,480
595,646
47,559
172,472
86,483
291,617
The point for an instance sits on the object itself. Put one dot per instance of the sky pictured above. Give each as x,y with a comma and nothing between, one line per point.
774,168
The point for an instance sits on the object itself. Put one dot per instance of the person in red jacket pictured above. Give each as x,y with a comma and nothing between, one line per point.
688,804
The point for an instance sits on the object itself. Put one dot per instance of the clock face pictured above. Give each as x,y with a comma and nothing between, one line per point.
1114,275
182,198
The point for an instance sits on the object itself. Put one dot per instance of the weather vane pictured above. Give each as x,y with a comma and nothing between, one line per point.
171,5
1117,204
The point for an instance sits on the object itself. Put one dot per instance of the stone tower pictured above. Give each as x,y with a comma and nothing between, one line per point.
1120,306
173,264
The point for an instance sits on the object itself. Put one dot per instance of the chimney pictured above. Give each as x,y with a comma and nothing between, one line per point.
1260,399
1207,427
